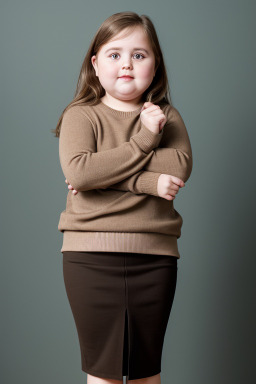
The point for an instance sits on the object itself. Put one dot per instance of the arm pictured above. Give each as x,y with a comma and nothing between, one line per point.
174,155
139,183
87,169
174,158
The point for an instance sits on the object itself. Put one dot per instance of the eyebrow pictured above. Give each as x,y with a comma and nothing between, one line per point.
120,49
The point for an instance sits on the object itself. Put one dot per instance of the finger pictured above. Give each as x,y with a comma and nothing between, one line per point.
163,121
74,192
156,112
146,105
70,187
170,197
162,124
66,181
178,181
174,192
174,187
152,108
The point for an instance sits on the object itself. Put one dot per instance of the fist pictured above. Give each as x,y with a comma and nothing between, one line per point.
168,186
71,188
152,117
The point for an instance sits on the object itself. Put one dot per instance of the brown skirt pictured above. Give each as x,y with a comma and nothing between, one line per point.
121,303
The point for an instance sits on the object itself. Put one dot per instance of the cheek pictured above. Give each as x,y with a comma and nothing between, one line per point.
109,71
146,71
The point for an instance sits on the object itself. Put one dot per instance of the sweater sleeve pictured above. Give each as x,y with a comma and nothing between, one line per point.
174,157
87,169
139,183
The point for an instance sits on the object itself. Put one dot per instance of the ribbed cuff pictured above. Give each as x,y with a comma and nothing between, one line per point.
146,139
147,183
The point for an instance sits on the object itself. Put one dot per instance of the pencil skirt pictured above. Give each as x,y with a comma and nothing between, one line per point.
121,303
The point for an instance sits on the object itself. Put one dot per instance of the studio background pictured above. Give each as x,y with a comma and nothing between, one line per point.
209,51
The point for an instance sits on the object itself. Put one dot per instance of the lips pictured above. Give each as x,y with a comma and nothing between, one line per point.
126,77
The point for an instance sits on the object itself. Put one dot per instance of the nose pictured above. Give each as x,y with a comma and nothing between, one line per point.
127,64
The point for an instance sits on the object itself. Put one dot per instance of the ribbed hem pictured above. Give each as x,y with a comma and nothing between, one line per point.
146,139
150,243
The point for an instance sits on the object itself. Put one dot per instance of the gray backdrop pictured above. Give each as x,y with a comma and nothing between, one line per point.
209,48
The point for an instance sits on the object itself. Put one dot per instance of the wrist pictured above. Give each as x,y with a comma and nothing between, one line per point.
147,183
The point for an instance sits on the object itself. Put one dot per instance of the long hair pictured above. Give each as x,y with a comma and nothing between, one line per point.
89,89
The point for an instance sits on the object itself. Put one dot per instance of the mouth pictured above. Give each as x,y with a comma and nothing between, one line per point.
125,77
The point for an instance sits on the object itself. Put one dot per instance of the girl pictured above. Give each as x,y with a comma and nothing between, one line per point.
125,152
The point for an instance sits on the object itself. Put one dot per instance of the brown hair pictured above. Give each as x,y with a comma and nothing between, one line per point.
89,89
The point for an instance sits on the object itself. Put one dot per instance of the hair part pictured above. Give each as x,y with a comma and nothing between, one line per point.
89,89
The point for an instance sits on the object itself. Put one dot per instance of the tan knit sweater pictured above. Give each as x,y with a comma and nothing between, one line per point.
114,163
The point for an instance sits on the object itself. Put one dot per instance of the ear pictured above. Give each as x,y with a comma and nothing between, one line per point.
94,63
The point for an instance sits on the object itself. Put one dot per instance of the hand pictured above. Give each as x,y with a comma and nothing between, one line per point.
168,186
71,188
152,117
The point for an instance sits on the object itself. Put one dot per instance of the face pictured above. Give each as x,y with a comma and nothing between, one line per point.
125,55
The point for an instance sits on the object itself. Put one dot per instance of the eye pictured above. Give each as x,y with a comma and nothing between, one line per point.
113,54
140,54
137,54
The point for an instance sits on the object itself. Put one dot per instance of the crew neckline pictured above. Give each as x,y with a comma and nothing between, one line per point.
116,112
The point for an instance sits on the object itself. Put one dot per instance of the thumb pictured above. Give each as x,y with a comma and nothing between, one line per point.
146,105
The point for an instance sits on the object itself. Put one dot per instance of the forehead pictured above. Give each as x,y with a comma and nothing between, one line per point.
129,38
